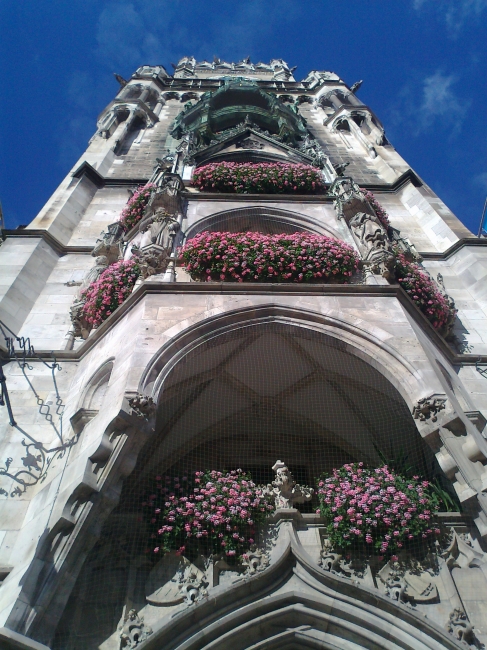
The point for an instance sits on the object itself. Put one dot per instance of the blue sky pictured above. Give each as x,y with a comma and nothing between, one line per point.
423,63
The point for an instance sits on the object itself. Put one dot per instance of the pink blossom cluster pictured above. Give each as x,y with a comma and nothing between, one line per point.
378,209
253,178
377,507
253,256
423,290
134,210
111,289
207,513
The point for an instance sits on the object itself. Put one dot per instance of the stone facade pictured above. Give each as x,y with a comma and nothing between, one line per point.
312,373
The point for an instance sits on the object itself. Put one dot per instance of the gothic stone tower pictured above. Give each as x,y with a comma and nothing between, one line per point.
239,372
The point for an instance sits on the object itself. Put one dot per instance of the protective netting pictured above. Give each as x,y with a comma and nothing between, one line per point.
242,400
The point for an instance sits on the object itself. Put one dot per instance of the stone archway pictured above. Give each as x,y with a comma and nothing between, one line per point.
261,219
261,389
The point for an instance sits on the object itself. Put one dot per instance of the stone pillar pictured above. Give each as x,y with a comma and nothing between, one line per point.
159,105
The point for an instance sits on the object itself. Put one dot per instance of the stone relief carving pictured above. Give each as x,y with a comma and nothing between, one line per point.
134,631
374,243
459,626
285,489
255,560
142,406
249,143
408,581
428,408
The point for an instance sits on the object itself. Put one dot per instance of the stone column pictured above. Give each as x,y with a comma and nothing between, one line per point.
159,105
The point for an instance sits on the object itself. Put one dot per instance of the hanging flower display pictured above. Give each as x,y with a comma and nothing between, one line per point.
208,513
379,210
253,257
424,292
134,210
376,508
111,289
255,178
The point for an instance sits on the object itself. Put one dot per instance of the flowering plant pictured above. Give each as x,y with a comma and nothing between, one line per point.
134,210
111,289
422,289
253,256
379,210
253,178
378,507
209,513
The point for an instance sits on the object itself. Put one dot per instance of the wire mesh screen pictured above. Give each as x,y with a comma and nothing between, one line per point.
241,400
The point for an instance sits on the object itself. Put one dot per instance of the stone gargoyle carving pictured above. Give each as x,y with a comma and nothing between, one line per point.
134,631
428,408
285,489
142,406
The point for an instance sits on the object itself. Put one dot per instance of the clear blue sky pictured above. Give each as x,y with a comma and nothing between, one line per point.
423,63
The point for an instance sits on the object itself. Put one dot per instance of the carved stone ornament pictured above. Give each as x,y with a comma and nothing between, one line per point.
134,631
152,259
175,580
255,560
428,408
142,406
374,244
461,553
285,489
109,243
249,143
460,627
80,326
407,581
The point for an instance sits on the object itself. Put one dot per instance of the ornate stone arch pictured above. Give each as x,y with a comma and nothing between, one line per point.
295,604
272,220
370,346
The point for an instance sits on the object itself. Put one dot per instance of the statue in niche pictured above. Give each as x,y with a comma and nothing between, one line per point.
285,489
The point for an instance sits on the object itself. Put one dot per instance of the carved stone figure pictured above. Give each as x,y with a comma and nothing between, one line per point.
110,243
134,631
142,406
163,229
369,232
255,560
287,492
249,143
374,243
80,327
429,407
330,561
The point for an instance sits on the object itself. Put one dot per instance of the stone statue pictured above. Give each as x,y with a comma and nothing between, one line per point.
163,229
369,231
287,492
